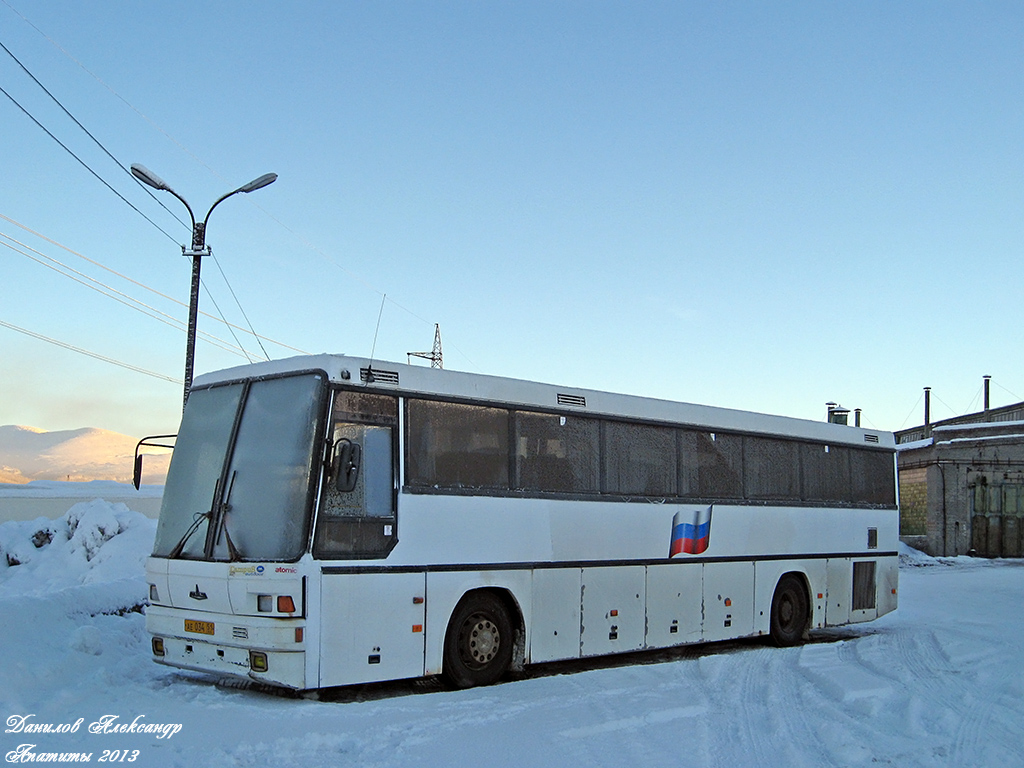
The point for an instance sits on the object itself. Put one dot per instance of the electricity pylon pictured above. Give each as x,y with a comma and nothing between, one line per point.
434,355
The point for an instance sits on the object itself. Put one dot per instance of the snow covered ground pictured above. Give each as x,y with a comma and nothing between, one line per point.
939,682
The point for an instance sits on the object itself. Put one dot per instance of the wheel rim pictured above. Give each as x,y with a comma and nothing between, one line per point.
787,609
481,640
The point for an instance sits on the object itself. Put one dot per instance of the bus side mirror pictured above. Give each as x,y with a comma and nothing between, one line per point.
150,440
346,465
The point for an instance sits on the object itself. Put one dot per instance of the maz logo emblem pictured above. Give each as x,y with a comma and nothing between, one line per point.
196,594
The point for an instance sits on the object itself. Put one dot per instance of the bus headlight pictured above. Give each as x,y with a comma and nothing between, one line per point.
258,661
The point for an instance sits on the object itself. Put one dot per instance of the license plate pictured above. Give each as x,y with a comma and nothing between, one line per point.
199,627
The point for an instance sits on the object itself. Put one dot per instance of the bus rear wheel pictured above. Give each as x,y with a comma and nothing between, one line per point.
789,611
479,641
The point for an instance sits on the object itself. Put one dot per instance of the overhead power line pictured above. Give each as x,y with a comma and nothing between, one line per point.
112,293
87,353
84,164
313,247
134,179
87,132
145,287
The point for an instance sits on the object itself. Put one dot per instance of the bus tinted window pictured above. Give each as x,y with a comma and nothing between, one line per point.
710,465
557,453
826,472
457,446
363,406
872,477
639,459
772,469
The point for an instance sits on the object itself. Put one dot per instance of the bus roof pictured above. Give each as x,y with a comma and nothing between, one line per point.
401,378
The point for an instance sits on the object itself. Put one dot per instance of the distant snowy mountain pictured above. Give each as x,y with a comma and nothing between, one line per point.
77,455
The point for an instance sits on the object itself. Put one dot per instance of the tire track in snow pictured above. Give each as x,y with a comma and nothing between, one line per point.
792,706
930,675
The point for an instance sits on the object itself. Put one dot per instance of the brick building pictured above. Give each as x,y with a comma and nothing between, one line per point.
962,484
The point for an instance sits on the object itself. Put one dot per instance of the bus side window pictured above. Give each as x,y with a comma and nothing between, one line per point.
361,472
357,512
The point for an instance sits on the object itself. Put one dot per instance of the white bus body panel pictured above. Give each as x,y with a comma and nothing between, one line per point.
839,591
371,627
728,600
675,610
888,585
223,596
556,604
612,617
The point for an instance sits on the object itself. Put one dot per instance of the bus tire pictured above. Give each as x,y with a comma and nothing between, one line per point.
479,642
789,611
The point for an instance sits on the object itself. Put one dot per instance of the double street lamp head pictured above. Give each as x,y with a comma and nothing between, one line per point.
146,176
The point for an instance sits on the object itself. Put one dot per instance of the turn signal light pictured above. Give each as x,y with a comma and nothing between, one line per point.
285,604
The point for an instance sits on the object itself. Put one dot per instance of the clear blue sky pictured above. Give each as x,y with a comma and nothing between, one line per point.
759,206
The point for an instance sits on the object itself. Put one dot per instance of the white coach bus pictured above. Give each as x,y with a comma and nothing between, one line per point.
329,520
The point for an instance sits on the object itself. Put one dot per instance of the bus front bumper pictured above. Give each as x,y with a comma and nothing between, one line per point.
269,651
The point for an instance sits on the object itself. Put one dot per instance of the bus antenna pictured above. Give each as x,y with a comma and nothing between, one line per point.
376,330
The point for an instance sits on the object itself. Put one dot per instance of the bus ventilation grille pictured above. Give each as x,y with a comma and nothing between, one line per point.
864,586
578,401
870,438
378,376
240,633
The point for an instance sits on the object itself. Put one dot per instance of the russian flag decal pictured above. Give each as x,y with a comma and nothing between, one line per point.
691,532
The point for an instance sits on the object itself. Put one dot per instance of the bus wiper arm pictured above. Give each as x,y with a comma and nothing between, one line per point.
233,554
176,552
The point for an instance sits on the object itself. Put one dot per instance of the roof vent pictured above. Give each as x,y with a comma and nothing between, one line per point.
870,438
579,401
378,376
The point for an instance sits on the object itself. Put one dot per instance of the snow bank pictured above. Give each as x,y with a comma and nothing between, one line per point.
94,543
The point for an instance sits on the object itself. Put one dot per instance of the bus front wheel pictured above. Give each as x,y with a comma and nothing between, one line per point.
478,645
789,611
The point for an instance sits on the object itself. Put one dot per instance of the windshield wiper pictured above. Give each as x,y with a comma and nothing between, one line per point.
200,516
233,554
176,552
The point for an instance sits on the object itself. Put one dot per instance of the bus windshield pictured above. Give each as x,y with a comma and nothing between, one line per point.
238,487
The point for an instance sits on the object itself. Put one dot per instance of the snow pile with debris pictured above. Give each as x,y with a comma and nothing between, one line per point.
938,682
95,542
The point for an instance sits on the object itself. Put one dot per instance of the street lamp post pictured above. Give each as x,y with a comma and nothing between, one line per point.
196,252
